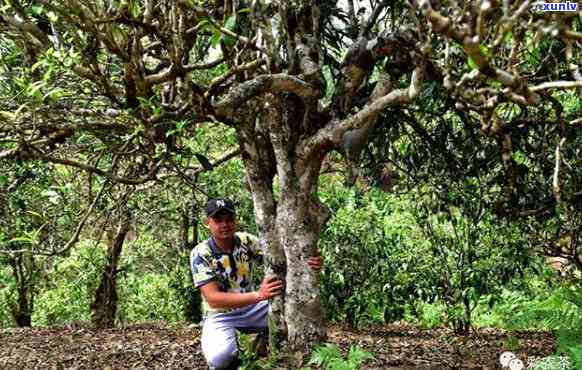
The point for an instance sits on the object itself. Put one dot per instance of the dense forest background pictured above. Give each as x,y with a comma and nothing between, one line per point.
450,173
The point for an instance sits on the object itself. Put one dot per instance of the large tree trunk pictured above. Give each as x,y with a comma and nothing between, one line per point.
289,226
23,267
299,233
257,154
104,306
22,311
296,322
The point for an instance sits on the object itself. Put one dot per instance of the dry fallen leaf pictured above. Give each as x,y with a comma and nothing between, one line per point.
154,346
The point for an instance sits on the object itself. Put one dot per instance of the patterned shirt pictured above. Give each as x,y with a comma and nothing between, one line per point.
232,271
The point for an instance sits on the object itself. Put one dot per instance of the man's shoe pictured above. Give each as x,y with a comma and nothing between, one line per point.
260,345
233,365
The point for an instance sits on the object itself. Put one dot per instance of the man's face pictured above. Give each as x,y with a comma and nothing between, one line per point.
222,225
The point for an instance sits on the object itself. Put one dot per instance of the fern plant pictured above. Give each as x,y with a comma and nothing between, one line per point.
325,354
569,343
357,356
249,358
329,357
560,309
575,354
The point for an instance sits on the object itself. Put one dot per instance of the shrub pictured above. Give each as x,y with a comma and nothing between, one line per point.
71,284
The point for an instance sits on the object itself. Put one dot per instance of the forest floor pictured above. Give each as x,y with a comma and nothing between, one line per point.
156,346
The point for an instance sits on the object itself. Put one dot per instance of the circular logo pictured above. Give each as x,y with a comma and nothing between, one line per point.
506,358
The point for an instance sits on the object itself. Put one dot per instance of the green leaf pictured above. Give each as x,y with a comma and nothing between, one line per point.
508,37
180,125
216,35
37,9
484,50
229,40
118,35
54,94
202,25
230,23
34,213
36,65
192,3
357,355
325,354
576,356
48,74
135,9
21,239
471,62
403,147
35,88
339,364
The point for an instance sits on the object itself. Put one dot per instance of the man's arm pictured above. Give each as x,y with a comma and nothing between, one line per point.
217,299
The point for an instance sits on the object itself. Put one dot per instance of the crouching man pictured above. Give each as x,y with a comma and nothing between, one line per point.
222,268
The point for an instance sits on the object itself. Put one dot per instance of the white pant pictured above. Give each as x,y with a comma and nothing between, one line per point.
219,342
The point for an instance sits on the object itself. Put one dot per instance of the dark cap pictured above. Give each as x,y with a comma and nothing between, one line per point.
215,205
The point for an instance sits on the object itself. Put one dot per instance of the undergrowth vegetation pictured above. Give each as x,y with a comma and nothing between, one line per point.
380,267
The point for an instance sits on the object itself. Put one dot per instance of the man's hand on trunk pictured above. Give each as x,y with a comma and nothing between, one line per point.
315,262
270,287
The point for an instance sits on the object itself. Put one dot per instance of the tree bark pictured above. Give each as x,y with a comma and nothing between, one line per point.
22,309
288,226
258,157
23,313
104,306
192,304
303,313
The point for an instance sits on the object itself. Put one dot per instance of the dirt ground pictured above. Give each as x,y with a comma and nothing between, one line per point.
156,346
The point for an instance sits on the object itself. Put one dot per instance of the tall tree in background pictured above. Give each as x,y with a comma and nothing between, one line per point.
36,215
126,82
104,306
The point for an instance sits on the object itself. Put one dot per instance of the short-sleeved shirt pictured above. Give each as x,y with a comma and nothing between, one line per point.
232,271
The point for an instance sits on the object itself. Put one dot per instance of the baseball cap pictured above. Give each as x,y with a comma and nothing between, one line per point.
215,205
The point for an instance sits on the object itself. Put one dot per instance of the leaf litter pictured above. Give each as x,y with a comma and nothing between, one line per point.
158,346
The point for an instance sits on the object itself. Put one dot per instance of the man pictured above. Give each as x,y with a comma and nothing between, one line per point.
223,267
